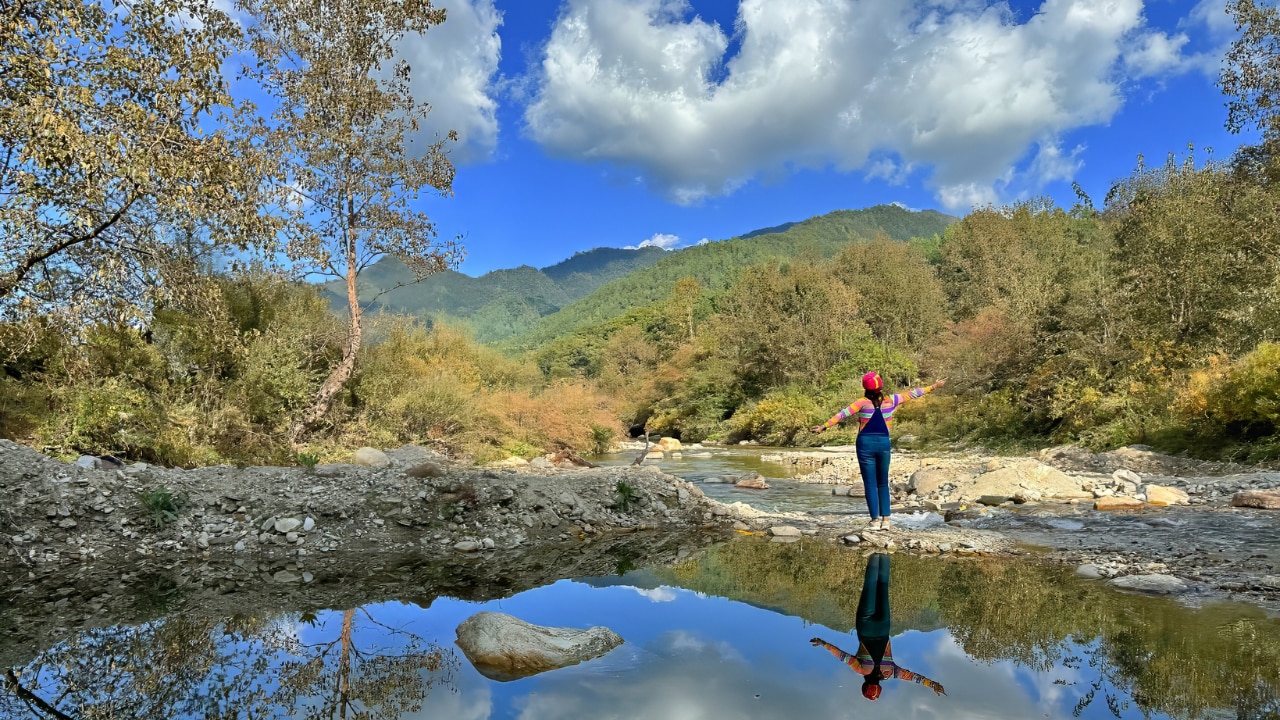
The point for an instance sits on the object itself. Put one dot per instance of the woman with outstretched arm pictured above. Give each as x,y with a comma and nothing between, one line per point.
875,651
875,415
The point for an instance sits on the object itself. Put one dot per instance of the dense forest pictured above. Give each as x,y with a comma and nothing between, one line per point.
145,311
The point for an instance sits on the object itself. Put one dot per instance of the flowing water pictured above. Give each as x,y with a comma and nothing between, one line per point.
724,634
704,466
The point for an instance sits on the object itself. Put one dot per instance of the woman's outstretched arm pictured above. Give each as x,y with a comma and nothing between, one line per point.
839,417
916,393
903,674
844,657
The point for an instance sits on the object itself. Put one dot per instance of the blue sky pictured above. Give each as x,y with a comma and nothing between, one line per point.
591,123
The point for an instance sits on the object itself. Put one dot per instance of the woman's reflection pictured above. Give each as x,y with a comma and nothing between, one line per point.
875,652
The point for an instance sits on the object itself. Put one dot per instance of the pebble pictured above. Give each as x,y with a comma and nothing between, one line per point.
287,525
308,525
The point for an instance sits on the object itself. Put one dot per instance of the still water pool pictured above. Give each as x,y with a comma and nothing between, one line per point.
723,634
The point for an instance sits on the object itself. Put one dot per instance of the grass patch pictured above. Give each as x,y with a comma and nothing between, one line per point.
161,505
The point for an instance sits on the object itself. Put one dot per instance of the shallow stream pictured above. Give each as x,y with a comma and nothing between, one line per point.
723,634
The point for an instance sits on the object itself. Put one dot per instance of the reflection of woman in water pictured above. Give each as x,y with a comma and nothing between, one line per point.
875,652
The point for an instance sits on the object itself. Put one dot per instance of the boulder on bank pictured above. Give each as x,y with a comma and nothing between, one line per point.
1261,499
667,444
504,648
370,457
929,480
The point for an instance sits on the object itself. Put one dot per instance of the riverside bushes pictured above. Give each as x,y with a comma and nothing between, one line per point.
221,380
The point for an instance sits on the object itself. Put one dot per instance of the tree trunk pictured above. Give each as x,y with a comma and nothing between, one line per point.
344,664
341,373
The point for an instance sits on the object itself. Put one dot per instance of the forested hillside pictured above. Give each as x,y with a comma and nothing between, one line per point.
497,304
715,265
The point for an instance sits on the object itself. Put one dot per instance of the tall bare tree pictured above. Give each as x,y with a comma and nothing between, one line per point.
343,126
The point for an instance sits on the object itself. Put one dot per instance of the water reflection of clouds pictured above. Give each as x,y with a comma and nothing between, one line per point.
682,675
658,594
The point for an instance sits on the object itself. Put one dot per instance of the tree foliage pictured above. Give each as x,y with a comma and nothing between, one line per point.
106,169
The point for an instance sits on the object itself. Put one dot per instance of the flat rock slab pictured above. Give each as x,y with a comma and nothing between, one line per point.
755,483
1155,584
505,648
1262,499
785,531
1117,503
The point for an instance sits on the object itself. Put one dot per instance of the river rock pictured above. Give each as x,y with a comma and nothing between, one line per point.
752,482
1124,475
1117,503
669,444
425,470
1089,571
308,525
370,457
1262,499
1160,495
541,463
504,648
284,576
88,462
1270,581
1022,475
785,531
1156,584
993,500
511,462
287,525
467,546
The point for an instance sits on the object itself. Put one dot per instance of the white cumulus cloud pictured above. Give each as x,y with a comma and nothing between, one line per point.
964,88
452,69
658,240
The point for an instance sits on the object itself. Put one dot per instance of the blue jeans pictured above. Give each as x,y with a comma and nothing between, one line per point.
873,461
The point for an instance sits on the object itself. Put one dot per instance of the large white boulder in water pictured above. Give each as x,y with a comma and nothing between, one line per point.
504,648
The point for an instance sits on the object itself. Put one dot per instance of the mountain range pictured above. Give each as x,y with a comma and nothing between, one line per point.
526,307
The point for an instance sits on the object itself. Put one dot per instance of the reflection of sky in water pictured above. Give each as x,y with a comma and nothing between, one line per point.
689,656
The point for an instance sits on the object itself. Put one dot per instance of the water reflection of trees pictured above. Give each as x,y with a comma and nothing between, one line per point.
1165,657
333,665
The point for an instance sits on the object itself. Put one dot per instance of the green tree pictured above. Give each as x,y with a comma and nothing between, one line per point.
343,126
105,168
1250,76
906,304
780,324
1196,253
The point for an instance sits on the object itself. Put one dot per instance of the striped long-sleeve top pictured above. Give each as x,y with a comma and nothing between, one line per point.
863,664
864,408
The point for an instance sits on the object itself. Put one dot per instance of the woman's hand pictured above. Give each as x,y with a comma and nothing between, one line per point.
939,384
817,429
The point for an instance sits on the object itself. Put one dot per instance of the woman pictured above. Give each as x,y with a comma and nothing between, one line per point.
875,652
875,414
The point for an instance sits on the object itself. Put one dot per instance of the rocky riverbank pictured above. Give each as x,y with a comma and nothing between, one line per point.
67,524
